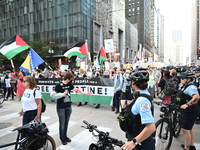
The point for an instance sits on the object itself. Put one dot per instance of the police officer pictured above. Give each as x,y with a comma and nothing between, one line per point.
197,83
189,109
140,137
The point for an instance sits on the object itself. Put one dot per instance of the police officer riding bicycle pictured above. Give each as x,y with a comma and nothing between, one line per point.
139,135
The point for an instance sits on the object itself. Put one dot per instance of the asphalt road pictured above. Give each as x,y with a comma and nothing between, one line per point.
104,118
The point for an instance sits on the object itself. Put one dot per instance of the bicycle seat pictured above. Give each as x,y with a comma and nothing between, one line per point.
26,126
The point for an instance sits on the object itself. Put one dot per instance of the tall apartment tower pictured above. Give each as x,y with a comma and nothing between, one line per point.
160,36
195,29
138,12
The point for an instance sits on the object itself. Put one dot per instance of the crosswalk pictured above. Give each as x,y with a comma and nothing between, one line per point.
78,140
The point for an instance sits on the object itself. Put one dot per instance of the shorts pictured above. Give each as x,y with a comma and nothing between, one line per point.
126,96
189,116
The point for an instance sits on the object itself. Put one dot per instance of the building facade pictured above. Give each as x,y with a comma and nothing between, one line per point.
138,12
63,22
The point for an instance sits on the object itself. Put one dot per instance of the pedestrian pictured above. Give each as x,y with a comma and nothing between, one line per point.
189,109
139,132
152,83
64,109
31,103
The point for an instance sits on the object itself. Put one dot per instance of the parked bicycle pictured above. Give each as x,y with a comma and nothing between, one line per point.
168,126
33,136
104,141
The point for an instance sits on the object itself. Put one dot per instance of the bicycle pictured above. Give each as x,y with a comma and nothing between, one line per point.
32,136
104,141
168,126
1,96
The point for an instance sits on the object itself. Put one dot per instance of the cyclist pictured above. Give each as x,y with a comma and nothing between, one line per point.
141,111
197,83
189,109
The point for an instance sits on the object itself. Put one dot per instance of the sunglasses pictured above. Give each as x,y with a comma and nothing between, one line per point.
183,78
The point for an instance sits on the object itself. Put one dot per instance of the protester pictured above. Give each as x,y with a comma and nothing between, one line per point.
31,104
127,91
64,109
189,110
20,85
161,85
152,83
118,83
139,134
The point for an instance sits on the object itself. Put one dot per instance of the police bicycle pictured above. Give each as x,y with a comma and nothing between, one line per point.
167,126
1,95
32,136
104,141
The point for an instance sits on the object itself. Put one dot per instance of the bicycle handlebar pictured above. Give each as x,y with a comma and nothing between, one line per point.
104,134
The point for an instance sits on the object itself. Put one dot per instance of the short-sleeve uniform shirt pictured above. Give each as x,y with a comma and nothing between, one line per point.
142,106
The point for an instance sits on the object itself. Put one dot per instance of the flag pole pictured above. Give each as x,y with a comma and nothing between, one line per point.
12,64
48,65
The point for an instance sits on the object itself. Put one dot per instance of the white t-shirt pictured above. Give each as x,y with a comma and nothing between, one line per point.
7,81
28,99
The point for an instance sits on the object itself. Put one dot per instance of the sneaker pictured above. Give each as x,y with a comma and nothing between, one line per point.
80,104
197,122
97,106
68,139
85,103
191,147
64,142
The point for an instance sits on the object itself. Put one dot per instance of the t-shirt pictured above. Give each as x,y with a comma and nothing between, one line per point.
143,106
60,88
28,99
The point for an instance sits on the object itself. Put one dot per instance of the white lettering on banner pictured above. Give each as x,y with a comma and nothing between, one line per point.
46,88
96,90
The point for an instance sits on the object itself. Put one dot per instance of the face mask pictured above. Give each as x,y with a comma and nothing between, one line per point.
127,75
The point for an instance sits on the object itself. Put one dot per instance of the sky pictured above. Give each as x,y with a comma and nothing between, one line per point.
177,16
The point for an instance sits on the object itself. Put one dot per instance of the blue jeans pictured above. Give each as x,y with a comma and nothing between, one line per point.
117,100
64,116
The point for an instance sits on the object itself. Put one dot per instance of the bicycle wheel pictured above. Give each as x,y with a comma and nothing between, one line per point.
176,123
41,143
163,135
1,98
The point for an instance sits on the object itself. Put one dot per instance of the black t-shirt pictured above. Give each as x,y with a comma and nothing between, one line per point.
60,88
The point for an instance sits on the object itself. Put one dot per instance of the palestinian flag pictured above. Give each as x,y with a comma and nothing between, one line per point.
80,50
102,55
13,46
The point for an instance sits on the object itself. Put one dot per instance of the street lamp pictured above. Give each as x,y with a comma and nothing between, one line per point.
51,52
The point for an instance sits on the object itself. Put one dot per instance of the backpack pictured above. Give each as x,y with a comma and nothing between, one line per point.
131,123
171,86
43,102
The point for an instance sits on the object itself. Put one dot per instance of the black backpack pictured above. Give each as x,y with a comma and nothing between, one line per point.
171,86
43,103
132,123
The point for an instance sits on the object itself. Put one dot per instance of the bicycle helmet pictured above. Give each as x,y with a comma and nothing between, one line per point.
36,124
140,74
187,75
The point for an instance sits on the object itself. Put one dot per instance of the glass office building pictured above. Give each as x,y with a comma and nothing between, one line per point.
64,22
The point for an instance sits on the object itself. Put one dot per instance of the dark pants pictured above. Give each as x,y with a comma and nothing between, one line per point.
147,144
29,116
64,116
10,91
117,96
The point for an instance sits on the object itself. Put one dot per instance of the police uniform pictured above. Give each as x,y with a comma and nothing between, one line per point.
197,83
142,108
190,114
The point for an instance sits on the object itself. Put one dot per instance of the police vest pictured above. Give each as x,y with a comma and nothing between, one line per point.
129,122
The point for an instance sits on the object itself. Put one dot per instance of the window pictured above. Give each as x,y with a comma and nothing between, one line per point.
129,4
138,8
129,10
133,3
133,14
129,15
133,9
